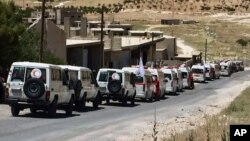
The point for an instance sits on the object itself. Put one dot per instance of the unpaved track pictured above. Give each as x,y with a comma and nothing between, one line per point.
111,122
185,49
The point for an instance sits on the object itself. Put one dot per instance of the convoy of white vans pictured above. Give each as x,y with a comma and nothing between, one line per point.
144,85
117,85
199,73
171,80
48,87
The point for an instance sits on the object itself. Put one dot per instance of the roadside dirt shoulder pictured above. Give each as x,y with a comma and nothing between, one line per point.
192,116
4,111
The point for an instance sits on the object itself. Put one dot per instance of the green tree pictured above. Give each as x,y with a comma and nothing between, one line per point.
242,42
17,43
29,47
10,28
52,59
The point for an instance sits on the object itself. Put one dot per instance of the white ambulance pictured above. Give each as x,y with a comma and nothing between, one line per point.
180,79
187,77
226,68
199,73
39,86
117,85
143,84
160,76
85,86
170,80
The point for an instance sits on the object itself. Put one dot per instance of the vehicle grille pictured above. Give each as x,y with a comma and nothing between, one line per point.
16,92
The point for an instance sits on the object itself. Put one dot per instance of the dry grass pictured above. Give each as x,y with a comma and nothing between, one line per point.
162,5
73,2
222,37
217,127
93,2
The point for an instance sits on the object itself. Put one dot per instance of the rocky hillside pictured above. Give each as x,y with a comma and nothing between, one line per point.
159,5
189,5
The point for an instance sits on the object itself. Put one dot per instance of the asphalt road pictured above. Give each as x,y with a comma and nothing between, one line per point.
109,121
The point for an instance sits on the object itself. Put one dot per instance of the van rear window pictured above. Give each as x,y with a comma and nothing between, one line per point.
166,75
184,74
18,74
207,69
103,76
224,67
197,70
106,76
138,79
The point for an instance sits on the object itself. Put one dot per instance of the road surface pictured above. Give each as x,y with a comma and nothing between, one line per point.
109,121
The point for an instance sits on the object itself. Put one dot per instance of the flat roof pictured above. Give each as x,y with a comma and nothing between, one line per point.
144,31
183,56
160,49
70,42
94,22
75,28
157,32
196,53
168,37
106,29
120,25
136,41
131,42
137,31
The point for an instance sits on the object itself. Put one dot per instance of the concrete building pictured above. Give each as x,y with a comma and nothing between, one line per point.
35,15
126,27
94,24
189,60
146,34
126,51
166,49
96,32
55,40
82,50
171,21
189,22
177,21
86,53
80,30
57,16
73,13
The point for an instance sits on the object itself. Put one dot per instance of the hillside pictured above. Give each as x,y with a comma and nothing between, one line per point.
159,5
190,5
228,28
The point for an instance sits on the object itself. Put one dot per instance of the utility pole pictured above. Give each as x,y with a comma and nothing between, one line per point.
173,10
206,51
42,32
152,42
102,43
153,47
